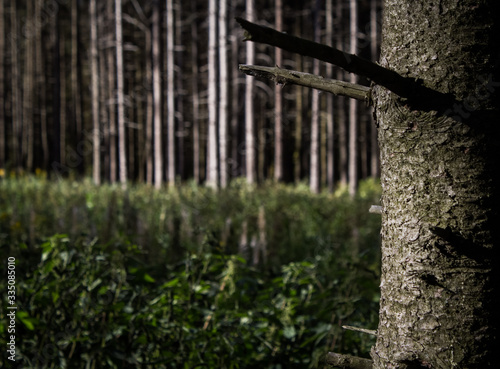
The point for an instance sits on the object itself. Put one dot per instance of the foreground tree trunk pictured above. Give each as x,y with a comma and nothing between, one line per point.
440,188
436,99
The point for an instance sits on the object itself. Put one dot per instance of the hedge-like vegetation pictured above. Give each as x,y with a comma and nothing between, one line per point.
140,278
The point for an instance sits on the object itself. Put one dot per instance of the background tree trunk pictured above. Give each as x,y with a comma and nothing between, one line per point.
223,95
170,93
157,124
353,104
249,104
120,97
278,101
440,188
2,87
212,95
94,75
110,54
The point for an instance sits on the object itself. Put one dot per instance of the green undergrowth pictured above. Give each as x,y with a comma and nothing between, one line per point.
140,278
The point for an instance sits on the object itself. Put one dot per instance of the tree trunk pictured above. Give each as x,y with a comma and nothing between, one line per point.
440,188
314,173
170,93
330,131
353,104
249,104
224,95
278,102
341,103
76,99
212,95
41,83
120,94
111,148
195,95
28,92
2,88
94,75
16,87
157,123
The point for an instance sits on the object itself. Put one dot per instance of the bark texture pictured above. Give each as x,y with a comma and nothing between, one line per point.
440,187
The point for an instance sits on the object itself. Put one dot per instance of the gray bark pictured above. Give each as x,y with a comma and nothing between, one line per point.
212,95
157,118
170,94
94,73
440,188
120,82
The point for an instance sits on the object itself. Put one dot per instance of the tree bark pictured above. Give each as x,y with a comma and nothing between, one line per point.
314,171
110,55
224,95
120,95
212,95
440,188
353,104
76,99
16,87
278,102
3,140
330,126
195,95
157,123
249,105
170,94
94,75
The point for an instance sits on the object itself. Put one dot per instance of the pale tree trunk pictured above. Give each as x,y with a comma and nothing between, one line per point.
157,118
440,187
353,104
330,132
195,95
179,85
170,93
94,75
314,174
120,81
224,95
2,86
249,104
341,103
212,95
278,102
112,161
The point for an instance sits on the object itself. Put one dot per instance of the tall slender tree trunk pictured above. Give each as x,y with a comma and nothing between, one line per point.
374,153
440,234
41,83
170,93
3,140
56,92
111,96
157,124
120,81
16,87
249,104
330,132
28,91
353,104
314,174
94,75
341,102
195,95
76,99
182,128
224,95
62,98
278,101
212,95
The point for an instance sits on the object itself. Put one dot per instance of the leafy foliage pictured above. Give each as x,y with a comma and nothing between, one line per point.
84,302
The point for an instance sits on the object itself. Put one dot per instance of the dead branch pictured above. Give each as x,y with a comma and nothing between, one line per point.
285,76
347,361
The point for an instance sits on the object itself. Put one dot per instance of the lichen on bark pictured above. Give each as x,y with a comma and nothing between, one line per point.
440,193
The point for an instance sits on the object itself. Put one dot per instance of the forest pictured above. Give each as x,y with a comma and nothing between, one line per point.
150,92
160,209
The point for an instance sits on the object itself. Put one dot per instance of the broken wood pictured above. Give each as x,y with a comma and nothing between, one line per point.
285,76
348,361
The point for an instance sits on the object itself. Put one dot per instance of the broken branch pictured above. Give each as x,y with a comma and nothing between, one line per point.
348,361
362,330
285,76
418,95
